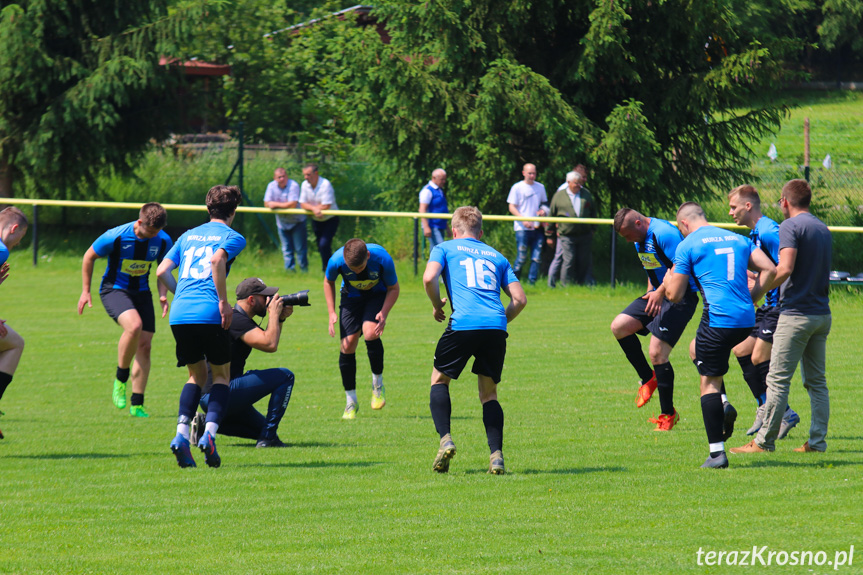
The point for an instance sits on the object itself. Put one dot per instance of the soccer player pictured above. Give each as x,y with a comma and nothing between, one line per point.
13,226
717,259
369,291
805,255
241,419
656,244
753,354
474,275
131,250
201,316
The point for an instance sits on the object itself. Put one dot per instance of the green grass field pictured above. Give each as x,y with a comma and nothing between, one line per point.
84,488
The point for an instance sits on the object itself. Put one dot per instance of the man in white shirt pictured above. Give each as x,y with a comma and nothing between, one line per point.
528,198
317,195
284,193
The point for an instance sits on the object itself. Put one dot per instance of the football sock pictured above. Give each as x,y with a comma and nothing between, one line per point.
184,426
665,386
763,370
441,408
752,377
212,427
348,368
5,380
189,398
377,380
123,374
351,396
138,398
217,406
631,347
375,349
714,417
492,418
716,448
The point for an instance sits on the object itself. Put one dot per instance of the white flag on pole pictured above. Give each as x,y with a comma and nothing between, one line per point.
828,162
772,153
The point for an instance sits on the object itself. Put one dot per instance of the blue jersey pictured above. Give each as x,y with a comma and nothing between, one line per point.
4,253
765,235
718,260
379,274
658,249
196,300
130,257
474,274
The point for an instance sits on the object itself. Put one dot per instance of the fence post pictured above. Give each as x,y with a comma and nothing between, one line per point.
806,149
416,244
613,255
35,239
240,156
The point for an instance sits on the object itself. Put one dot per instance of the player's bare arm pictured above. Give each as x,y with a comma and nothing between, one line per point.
759,262
432,287
219,266
675,285
517,300
330,297
87,266
389,302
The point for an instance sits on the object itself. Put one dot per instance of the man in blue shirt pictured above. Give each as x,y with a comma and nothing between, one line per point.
717,260
369,291
656,244
753,354
432,199
13,226
131,250
474,275
201,316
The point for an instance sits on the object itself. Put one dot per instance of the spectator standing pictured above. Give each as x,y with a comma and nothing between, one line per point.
572,258
432,199
805,256
317,195
284,193
528,198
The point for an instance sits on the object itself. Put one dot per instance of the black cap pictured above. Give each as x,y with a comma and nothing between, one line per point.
254,286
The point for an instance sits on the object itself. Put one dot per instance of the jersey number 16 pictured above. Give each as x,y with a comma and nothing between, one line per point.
478,276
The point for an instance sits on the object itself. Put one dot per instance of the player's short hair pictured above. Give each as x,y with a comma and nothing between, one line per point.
798,193
222,201
621,216
355,252
313,167
689,210
11,216
467,220
153,215
746,193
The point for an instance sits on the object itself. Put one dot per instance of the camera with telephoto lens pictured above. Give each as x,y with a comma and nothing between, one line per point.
300,298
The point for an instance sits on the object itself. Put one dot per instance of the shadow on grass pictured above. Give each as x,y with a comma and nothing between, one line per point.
48,456
560,471
318,464
802,463
297,444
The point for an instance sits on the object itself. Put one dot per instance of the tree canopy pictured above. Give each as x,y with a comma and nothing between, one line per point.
82,86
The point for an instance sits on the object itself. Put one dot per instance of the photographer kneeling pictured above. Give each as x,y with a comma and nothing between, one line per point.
241,419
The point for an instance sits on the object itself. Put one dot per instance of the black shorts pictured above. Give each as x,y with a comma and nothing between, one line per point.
454,348
713,345
354,311
766,319
196,341
669,324
118,301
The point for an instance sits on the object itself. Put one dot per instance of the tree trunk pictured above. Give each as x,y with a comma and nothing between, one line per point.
5,179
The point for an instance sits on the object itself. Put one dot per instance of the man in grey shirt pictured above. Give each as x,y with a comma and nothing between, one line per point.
805,257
